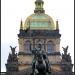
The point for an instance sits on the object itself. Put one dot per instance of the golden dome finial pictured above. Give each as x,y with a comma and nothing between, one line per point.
57,25
21,25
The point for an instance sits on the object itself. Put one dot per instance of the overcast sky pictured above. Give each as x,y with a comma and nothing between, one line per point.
12,11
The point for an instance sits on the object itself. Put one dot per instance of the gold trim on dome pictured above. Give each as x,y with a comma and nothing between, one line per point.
41,28
41,20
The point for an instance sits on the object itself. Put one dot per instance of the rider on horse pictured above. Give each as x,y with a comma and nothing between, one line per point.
40,59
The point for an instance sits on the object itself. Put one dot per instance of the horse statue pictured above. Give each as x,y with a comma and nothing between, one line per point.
40,63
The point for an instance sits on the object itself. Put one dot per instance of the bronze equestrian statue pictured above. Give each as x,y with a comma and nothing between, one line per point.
40,63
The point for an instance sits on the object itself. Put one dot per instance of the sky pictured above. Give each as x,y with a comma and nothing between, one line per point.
12,11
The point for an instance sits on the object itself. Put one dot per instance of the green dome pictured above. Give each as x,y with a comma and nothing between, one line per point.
39,22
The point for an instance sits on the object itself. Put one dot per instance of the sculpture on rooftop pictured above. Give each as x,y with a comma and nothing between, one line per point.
65,50
12,56
13,49
66,60
12,62
66,56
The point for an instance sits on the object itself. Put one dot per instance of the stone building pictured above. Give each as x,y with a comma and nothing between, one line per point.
39,28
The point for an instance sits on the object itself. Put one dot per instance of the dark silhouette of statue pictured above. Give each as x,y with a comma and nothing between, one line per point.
13,56
66,59
12,62
13,49
65,50
40,63
66,56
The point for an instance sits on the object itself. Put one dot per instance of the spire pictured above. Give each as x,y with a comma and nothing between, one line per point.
57,25
39,6
21,25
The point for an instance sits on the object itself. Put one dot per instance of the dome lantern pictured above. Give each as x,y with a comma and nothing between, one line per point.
39,6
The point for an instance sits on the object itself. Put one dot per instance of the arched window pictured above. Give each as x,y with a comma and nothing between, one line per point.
27,46
50,47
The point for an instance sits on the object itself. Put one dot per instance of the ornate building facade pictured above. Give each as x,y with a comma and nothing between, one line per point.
39,28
